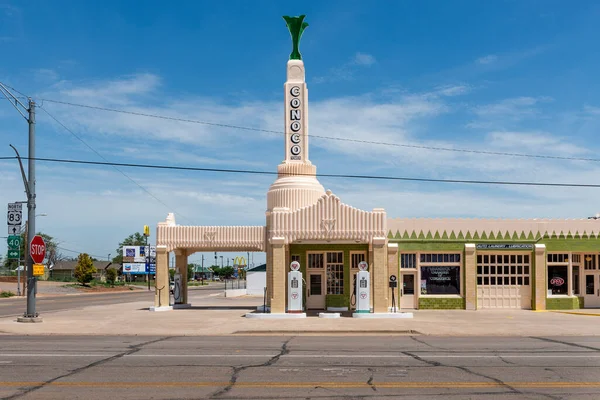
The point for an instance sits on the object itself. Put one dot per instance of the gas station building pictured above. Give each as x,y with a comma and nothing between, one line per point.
466,264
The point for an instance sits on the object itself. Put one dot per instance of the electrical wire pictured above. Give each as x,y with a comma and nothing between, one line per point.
420,147
114,165
79,252
347,176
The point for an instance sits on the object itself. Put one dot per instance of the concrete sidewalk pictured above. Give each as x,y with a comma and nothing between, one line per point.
216,315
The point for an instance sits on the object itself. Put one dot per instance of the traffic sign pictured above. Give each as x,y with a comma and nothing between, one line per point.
14,242
14,230
38,269
15,207
14,254
14,218
37,249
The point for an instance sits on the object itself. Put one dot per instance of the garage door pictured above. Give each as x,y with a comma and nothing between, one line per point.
503,281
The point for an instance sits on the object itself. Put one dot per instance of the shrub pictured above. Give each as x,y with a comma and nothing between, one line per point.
6,294
111,275
85,269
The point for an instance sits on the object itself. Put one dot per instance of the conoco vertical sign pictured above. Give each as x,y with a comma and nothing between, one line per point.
37,249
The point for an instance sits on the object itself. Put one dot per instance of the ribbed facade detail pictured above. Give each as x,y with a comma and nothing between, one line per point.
328,219
495,228
295,187
287,169
212,238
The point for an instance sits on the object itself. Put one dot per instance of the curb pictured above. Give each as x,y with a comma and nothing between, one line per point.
576,313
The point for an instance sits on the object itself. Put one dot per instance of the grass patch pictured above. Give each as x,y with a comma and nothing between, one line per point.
5,293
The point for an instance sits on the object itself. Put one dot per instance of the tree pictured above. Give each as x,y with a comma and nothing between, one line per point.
111,275
135,239
85,269
190,271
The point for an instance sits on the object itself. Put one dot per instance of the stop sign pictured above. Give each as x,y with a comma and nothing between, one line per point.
37,249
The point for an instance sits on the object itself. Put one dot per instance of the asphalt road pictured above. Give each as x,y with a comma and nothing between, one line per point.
16,306
307,367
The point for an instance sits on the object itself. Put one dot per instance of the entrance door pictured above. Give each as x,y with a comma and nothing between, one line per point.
407,291
316,291
591,290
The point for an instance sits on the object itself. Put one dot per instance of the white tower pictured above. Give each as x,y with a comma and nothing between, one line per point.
296,185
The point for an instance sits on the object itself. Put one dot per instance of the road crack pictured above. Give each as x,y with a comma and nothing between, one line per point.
370,381
581,346
464,369
132,350
425,343
237,370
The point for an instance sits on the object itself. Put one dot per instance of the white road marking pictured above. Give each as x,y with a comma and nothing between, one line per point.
352,356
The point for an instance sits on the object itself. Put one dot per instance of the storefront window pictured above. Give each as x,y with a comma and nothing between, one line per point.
335,278
408,260
558,276
440,280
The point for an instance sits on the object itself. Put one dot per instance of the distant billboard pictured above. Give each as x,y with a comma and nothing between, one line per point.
134,254
134,268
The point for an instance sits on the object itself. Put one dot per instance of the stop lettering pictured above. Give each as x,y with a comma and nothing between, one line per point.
37,249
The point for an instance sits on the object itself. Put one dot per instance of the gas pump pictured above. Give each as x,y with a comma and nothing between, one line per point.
295,289
362,289
177,292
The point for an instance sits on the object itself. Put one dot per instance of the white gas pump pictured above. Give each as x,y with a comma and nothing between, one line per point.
177,289
363,289
295,288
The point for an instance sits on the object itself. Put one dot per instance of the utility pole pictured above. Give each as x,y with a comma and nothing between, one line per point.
30,315
31,280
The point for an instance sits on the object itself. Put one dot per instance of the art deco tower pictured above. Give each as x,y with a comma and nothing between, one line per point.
296,185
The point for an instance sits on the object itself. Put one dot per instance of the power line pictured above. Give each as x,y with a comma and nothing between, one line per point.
80,252
368,177
108,163
421,147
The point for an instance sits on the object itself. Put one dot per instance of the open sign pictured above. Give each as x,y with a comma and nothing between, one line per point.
557,281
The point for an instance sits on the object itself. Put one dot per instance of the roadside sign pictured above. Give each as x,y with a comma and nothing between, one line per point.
14,242
14,254
38,269
15,214
14,230
393,278
37,249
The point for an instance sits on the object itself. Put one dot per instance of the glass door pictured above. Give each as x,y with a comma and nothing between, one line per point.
591,290
316,290
407,291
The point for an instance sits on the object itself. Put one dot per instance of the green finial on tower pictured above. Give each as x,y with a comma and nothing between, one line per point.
296,25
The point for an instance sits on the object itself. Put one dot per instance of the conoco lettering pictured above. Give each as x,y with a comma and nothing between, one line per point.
295,115
295,91
295,126
295,103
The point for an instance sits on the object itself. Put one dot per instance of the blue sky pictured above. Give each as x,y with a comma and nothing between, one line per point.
506,76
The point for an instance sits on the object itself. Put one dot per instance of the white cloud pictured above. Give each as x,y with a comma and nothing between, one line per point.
452,90
93,208
363,59
347,71
489,59
535,142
